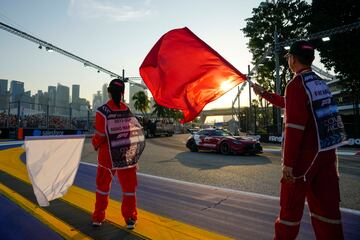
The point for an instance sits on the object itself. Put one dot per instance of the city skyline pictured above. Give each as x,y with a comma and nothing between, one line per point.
125,32
15,89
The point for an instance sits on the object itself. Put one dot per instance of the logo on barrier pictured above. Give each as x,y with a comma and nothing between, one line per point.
354,141
52,133
275,139
37,132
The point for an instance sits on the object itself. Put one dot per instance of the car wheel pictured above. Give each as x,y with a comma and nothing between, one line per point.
224,148
192,146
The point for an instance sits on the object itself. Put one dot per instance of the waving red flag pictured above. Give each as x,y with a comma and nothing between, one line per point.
183,72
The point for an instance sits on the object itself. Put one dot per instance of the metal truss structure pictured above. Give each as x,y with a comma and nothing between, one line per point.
50,47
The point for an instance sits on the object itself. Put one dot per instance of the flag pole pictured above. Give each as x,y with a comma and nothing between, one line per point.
250,100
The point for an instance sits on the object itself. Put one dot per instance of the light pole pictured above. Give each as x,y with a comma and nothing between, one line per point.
250,100
277,79
255,116
239,127
277,75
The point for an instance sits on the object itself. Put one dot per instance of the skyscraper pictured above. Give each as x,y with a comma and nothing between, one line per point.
41,101
52,99
26,101
52,95
62,99
16,90
4,95
75,97
97,100
3,86
75,93
105,96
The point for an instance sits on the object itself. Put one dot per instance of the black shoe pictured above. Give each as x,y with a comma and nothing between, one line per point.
130,223
96,224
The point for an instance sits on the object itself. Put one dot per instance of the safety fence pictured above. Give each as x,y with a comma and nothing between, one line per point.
41,116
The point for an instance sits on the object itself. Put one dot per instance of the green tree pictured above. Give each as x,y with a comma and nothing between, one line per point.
161,111
292,18
142,102
342,52
175,114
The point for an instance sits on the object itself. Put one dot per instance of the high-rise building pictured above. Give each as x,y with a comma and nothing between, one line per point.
52,95
51,99
80,109
75,93
84,105
62,99
97,100
41,101
26,101
75,97
3,86
4,95
16,90
104,93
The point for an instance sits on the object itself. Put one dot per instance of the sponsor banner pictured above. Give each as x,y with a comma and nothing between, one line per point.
276,139
269,138
52,132
353,141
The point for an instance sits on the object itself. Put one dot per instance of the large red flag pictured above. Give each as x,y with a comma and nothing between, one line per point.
183,72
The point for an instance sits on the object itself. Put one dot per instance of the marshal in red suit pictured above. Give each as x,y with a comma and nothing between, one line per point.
119,140
312,131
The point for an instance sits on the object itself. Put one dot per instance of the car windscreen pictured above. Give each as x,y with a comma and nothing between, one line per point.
203,133
221,133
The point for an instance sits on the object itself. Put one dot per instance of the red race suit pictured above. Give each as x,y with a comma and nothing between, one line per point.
315,171
119,140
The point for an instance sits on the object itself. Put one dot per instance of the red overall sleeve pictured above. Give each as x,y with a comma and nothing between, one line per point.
274,99
296,117
99,137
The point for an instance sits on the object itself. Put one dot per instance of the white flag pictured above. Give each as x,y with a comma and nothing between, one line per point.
52,163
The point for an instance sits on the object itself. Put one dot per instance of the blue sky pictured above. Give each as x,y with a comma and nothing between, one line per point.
114,34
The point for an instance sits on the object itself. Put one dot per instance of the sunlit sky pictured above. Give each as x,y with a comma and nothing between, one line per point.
114,34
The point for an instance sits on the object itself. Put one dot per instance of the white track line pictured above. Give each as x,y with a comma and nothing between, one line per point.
9,143
343,153
251,194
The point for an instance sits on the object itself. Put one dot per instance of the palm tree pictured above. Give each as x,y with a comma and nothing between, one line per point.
159,111
164,112
142,102
176,114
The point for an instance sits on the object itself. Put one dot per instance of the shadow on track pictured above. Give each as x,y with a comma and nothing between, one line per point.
210,160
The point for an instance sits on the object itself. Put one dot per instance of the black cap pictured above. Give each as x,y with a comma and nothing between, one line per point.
302,49
117,84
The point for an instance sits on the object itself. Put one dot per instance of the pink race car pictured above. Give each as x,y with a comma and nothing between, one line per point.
222,141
